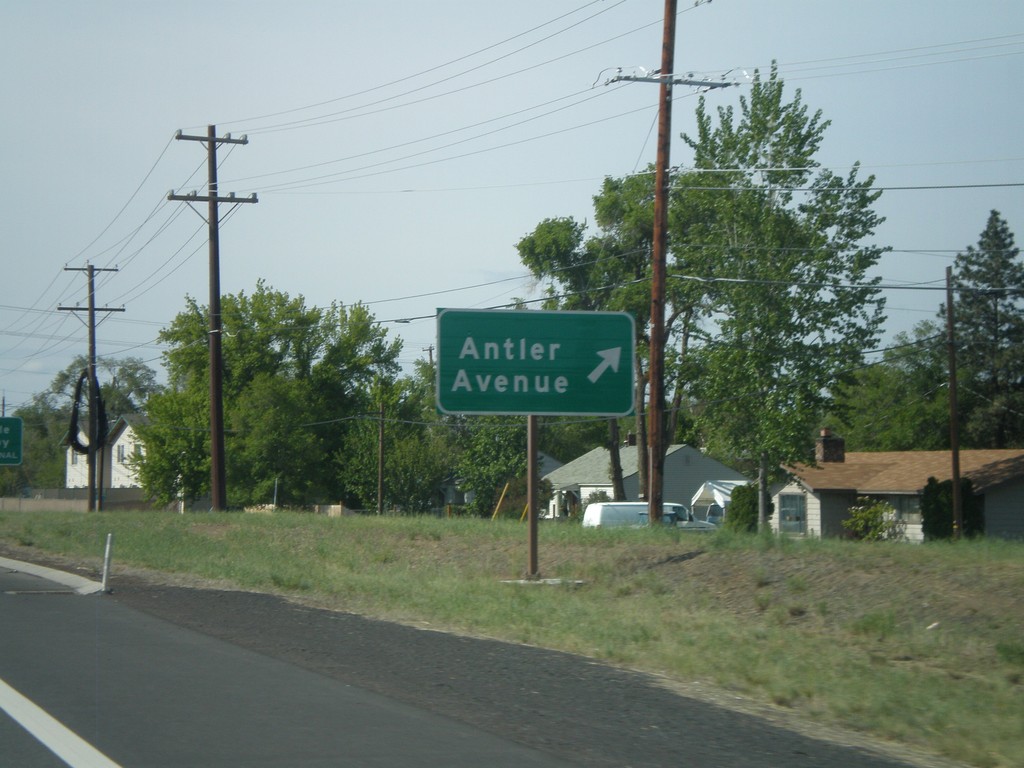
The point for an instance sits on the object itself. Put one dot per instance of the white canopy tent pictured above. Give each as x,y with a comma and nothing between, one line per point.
713,493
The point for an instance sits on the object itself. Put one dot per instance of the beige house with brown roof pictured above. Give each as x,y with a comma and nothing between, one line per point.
818,498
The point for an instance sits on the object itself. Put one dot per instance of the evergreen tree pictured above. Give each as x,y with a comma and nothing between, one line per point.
989,322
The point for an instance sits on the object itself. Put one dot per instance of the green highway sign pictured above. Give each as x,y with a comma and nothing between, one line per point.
531,362
10,441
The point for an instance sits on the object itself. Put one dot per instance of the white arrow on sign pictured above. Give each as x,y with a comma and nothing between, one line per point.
609,359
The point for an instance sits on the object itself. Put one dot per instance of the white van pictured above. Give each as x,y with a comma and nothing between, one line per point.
606,514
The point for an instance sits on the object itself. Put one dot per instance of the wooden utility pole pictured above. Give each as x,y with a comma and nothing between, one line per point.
218,477
656,366
380,450
954,411
93,459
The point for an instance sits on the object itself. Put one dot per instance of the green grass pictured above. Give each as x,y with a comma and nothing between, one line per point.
921,645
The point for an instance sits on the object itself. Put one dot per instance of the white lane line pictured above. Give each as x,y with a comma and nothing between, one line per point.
64,743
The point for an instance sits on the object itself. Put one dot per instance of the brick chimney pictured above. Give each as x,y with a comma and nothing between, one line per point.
828,448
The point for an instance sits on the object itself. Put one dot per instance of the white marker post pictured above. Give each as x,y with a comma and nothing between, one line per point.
106,560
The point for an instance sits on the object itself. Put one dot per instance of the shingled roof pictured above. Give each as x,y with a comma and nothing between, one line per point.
908,471
594,467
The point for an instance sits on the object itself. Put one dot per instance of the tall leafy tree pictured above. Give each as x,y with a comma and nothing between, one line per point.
769,302
359,366
42,466
267,332
565,438
293,377
176,463
272,450
606,271
989,321
425,450
126,383
406,442
793,304
493,454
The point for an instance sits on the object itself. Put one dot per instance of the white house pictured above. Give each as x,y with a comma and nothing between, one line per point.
123,443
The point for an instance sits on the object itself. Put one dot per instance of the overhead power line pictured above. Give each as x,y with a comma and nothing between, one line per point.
904,188
128,202
950,53
405,78
592,95
844,286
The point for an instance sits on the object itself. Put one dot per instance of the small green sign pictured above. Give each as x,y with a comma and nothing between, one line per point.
535,362
10,441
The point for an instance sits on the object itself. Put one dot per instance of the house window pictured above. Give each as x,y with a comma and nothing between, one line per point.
120,453
908,508
792,513
74,457
138,450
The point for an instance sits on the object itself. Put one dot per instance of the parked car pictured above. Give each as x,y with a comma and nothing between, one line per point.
608,514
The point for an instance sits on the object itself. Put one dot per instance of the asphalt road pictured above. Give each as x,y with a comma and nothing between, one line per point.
164,676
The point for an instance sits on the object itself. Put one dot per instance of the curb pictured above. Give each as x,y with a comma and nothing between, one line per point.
80,584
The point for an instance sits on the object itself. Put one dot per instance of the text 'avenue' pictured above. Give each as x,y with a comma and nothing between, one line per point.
515,383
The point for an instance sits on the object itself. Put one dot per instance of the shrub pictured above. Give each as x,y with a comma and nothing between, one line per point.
937,510
742,514
873,520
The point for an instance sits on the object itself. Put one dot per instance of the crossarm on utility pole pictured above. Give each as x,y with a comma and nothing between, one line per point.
669,79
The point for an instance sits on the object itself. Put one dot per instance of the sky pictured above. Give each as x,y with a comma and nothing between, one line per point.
400,150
